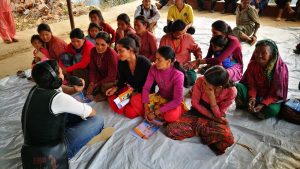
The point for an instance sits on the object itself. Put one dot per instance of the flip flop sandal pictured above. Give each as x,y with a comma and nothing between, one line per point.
7,41
104,135
21,74
15,40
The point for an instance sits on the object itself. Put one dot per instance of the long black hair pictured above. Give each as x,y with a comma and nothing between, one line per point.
36,37
98,13
43,27
220,41
77,33
105,36
172,27
168,53
143,20
222,26
42,77
94,25
130,41
218,76
125,18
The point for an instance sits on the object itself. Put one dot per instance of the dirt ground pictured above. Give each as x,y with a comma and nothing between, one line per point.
18,56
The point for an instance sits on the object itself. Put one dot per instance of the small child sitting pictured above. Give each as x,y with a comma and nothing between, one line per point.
40,53
218,44
93,30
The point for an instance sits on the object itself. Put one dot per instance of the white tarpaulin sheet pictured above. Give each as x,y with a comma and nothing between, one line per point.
274,143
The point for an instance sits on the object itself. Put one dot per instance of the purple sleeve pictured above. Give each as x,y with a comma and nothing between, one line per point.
178,94
148,85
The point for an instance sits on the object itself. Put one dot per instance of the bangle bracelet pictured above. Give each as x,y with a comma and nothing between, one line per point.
154,112
199,61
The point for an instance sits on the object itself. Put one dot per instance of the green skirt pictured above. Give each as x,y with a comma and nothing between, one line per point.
242,97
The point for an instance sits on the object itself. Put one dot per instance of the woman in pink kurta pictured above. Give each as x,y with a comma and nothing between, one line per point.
170,80
147,39
212,96
233,47
7,23
183,44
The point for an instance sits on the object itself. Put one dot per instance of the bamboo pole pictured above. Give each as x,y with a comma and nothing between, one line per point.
71,14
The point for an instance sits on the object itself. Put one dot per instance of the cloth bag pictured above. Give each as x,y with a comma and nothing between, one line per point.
291,111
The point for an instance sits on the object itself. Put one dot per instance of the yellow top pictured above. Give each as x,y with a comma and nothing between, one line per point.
186,14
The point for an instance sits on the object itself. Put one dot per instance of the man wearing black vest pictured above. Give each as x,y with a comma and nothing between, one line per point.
150,12
50,115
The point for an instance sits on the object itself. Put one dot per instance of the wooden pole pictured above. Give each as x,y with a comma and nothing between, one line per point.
71,14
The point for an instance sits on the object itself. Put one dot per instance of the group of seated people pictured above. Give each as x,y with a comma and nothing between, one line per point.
135,61
231,5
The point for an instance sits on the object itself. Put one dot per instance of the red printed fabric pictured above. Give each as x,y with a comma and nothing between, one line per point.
216,135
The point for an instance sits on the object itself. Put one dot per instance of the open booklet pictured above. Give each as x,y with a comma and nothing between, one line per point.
146,129
293,104
123,98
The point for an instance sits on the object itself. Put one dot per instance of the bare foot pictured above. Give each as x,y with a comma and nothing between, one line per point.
252,41
158,5
291,11
278,19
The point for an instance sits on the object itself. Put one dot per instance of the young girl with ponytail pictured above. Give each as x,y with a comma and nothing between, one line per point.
166,104
212,95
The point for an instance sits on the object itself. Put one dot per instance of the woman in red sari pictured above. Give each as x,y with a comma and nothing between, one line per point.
7,23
